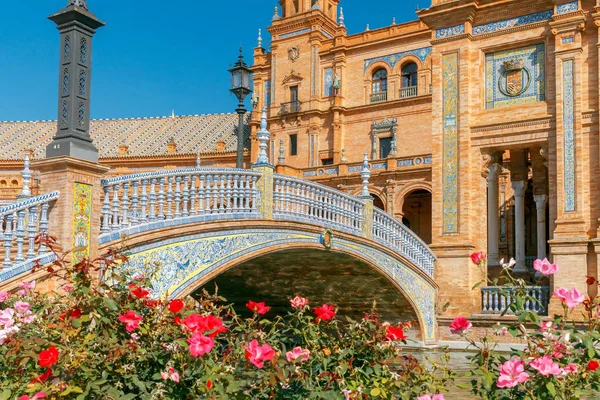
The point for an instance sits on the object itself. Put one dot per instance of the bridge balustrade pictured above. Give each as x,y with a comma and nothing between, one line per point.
496,299
299,200
20,223
197,194
396,235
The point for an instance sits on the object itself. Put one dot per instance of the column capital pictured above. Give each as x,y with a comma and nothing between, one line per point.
519,187
541,200
494,172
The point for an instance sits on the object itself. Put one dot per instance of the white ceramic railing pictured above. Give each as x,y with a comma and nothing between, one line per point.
299,200
496,299
21,222
378,97
392,232
134,200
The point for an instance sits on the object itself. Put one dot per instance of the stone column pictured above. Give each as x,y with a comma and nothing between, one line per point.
519,187
492,239
541,200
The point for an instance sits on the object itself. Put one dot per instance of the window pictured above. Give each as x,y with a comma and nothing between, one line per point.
327,161
380,81
293,145
295,2
385,146
294,94
409,75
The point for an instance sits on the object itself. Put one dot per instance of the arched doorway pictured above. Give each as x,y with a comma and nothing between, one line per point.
377,202
416,211
324,277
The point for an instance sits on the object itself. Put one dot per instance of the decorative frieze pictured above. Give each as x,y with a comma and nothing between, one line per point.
513,22
450,31
292,34
567,7
392,59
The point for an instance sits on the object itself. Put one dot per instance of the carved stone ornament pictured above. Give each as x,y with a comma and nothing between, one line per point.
294,53
515,79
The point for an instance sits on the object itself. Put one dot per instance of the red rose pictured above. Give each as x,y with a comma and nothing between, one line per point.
201,324
175,306
460,325
177,320
43,377
138,292
593,365
76,313
394,334
324,313
209,384
478,257
49,357
151,303
590,280
259,308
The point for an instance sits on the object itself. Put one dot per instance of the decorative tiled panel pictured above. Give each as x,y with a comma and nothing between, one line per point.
331,171
406,163
515,76
393,59
313,71
380,165
326,34
513,22
569,133
82,228
450,31
568,39
328,82
309,173
295,33
567,7
355,168
450,143
267,93
427,160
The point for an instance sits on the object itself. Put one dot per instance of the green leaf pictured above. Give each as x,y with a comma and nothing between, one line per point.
375,392
551,388
5,395
110,304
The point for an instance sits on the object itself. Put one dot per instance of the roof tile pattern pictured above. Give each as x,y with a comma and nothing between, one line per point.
143,136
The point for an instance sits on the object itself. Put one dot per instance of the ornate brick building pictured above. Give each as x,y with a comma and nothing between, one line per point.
479,118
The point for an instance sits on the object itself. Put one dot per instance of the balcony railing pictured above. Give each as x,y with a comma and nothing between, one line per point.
378,97
407,92
496,299
291,107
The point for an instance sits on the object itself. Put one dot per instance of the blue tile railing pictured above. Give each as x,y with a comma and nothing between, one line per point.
496,299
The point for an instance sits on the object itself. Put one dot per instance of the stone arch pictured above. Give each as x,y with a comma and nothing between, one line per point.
376,192
408,189
190,261
406,60
375,66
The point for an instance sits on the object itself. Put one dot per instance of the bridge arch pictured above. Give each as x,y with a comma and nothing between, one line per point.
192,256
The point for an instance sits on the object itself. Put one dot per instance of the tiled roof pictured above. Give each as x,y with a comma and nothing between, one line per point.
143,136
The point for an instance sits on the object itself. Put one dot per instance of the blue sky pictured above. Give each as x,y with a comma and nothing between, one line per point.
153,56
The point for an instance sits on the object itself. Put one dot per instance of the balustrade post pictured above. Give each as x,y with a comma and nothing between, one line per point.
264,184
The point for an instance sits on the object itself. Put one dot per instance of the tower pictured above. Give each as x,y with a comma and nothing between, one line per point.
77,26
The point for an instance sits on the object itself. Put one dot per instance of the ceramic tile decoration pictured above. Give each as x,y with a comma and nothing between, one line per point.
567,7
393,59
267,93
450,31
326,34
513,22
568,39
516,76
569,132
82,213
295,33
450,143
380,165
184,262
328,82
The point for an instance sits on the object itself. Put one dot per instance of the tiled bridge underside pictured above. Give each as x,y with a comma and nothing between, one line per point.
191,256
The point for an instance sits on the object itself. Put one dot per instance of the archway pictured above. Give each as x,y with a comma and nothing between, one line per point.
324,277
416,210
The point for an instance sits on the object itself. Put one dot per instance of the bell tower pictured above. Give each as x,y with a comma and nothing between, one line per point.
291,8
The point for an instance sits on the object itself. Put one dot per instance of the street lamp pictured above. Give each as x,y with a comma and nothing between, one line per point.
240,86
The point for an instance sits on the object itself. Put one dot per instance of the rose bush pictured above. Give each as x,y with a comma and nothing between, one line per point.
95,340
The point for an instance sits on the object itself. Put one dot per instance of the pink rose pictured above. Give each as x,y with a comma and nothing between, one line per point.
7,317
546,326
22,307
512,372
258,354
68,288
545,267
478,257
39,395
572,298
199,345
131,320
297,353
429,397
28,285
4,296
460,325
299,302
545,366
170,374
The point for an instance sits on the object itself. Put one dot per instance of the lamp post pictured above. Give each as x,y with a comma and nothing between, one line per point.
240,86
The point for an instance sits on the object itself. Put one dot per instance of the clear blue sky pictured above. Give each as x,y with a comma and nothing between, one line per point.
153,55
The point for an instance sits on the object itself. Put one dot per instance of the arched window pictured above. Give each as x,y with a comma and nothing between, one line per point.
409,75
3,183
15,183
380,81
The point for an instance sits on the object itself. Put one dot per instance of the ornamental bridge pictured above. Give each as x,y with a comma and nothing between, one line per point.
201,222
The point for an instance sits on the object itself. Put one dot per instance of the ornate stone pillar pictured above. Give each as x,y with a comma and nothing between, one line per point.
519,187
492,212
541,200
